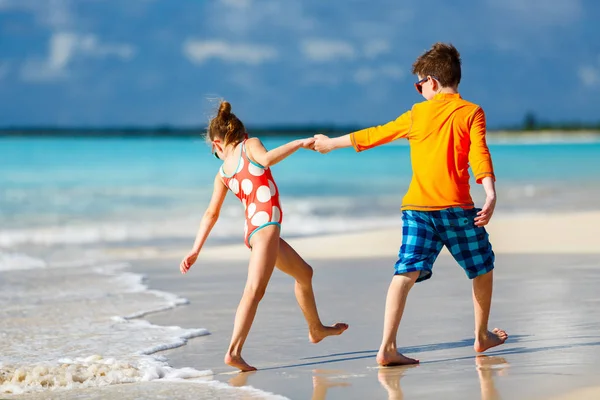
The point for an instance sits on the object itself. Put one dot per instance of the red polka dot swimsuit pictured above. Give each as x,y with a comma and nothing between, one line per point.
254,185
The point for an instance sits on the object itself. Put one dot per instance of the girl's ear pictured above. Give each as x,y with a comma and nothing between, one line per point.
218,144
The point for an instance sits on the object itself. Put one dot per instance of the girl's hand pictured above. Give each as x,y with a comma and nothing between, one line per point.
188,261
308,143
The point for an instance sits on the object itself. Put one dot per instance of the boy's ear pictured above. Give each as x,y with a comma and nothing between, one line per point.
435,85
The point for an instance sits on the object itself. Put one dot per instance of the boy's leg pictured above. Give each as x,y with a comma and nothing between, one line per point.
265,247
290,262
482,301
420,247
394,308
471,248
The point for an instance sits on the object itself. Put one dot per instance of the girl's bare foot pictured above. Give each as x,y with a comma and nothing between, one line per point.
315,336
238,362
492,339
393,359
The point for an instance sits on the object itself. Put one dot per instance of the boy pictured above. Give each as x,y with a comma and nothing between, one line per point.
446,134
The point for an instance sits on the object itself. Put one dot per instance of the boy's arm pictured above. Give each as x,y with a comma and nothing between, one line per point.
479,154
209,219
483,169
367,138
484,216
257,152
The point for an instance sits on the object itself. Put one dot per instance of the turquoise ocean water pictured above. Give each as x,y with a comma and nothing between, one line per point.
56,191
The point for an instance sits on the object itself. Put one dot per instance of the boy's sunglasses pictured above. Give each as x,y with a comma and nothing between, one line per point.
419,84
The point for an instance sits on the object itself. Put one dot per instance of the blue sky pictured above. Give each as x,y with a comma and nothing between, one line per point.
343,62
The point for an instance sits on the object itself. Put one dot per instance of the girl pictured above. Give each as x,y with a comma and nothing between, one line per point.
245,171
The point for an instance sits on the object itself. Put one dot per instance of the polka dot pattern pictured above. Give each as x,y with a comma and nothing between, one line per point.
260,218
275,214
263,194
247,186
272,188
255,171
234,185
256,189
251,210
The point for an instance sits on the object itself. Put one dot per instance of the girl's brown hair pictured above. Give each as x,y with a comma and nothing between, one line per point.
226,126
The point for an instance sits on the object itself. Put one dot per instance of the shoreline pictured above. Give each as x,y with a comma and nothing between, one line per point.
510,233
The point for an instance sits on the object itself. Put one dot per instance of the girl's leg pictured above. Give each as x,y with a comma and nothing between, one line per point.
290,262
265,247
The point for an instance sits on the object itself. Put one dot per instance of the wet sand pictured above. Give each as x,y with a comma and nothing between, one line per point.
547,302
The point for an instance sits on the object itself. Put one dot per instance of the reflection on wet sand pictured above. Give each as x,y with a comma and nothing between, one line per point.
487,367
322,383
241,379
389,378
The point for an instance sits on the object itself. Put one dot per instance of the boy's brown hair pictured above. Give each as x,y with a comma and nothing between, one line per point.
441,61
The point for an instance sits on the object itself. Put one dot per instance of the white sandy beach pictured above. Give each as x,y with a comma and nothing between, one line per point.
533,233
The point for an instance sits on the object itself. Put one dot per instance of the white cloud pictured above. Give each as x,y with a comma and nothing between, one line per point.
393,72
90,45
237,19
62,48
321,78
36,70
366,75
589,75
323,50
375,48
56,14
541,12
243,4
199,51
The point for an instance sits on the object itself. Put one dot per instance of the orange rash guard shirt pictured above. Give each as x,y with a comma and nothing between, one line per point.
446,134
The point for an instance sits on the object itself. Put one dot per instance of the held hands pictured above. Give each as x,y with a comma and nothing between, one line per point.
322,144
484,216
308,143
188,261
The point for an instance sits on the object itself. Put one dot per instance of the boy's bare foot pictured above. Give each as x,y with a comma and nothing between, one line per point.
393,359
492,339
238,362
321,333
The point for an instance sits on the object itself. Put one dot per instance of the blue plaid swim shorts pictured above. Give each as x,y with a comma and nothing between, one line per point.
424,233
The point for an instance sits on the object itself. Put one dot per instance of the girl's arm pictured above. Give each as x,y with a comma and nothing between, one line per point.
257,152
211,215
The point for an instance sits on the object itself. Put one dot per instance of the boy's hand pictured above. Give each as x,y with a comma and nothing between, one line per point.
484,216
188,261
322,143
